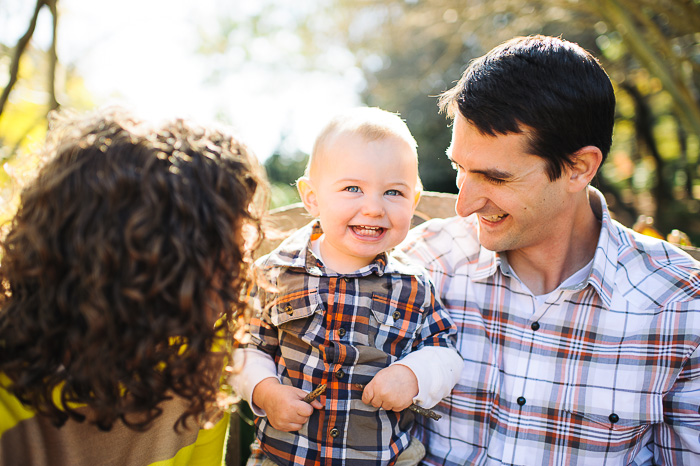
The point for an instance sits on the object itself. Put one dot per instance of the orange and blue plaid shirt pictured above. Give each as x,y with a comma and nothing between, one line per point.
603,372
340,330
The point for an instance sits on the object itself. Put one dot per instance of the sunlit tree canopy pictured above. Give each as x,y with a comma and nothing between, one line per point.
401,54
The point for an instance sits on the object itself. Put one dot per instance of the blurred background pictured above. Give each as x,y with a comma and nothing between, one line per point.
275,70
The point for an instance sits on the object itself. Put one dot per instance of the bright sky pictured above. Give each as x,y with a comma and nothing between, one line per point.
143,54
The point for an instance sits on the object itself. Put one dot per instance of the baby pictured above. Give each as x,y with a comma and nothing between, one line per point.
349,313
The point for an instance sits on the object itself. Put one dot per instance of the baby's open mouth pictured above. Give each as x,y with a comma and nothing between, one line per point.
364,230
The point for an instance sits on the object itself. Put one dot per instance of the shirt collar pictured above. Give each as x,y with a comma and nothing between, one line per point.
487,263
295,252
605,260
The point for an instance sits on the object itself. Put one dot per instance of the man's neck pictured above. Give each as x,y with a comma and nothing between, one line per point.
544,267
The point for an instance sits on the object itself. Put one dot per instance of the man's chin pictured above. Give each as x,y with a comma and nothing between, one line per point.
492,244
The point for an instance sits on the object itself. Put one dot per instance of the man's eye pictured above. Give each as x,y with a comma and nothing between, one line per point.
455,167
353,189
394,192
496,181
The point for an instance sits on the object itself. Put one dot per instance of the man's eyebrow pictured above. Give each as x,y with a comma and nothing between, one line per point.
489,172
492,173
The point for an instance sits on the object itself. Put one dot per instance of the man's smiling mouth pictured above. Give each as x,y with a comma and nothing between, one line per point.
494,218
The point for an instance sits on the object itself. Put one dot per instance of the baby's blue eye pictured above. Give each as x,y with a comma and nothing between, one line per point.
353,189
393,192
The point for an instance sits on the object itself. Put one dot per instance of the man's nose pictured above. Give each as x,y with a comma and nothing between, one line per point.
468,199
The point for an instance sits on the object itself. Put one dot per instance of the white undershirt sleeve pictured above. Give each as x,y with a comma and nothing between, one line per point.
250,367
437,369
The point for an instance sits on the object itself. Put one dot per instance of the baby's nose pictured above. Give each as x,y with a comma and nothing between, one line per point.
373,206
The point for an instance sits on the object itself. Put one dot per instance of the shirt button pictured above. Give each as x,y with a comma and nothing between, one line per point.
535,326
614,418
521,400
341,332
289,309
396,315
340,374
334,432
347,279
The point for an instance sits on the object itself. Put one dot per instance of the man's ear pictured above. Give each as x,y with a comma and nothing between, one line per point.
586,160
308,195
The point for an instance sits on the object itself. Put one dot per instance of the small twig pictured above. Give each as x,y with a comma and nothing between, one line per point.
424,412
414,407
315,394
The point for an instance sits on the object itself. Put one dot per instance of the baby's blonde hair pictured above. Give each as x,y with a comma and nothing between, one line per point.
370,123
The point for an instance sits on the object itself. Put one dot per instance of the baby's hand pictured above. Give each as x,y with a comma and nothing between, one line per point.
283,404
393,388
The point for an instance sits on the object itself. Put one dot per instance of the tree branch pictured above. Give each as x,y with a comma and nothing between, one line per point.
19,50
615,15
53,56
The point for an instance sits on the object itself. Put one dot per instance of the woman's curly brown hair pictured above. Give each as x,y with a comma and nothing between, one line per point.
123,270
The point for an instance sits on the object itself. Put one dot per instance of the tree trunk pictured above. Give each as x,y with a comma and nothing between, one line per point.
644,124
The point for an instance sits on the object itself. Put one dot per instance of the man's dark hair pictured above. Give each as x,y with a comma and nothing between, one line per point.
122,273
546,85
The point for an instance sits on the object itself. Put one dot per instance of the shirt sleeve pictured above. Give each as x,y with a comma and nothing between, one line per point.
676,440
254,361
251,366
434,360
209,447
437,370
437,329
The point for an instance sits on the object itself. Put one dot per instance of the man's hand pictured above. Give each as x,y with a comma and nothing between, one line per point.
393,388
283,404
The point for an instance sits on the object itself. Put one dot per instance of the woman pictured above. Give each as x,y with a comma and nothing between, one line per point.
121,281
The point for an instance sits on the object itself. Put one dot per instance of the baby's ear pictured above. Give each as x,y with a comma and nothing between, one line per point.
416,199
308,195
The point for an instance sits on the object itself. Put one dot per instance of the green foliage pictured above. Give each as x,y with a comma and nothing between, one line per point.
410,52
23,122
283,172
282,195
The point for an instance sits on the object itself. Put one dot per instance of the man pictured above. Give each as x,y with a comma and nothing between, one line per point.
580,337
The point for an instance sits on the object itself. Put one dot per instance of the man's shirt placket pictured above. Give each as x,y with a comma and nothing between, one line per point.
515,413
534,372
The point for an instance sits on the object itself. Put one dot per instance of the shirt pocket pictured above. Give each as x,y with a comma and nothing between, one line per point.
298,314
617,418
393,326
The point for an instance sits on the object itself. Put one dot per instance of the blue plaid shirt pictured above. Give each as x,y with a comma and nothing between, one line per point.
341,330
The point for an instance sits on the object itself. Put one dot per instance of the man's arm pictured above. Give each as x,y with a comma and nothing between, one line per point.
677,440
